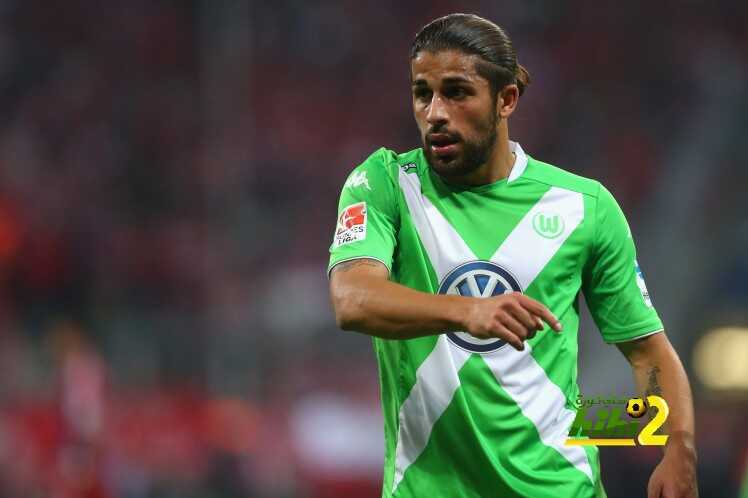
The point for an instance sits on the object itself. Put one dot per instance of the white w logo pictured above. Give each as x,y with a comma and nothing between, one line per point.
548,226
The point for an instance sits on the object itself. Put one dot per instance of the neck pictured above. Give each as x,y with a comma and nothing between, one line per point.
498,166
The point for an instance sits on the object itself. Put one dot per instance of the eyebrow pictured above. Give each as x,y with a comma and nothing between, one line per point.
449,81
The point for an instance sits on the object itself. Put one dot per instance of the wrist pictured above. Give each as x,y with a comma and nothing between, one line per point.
457,313
681,443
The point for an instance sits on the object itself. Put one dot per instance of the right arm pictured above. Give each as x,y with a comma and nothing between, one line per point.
365,300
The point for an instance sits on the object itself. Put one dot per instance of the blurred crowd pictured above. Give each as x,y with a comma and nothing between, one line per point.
169,174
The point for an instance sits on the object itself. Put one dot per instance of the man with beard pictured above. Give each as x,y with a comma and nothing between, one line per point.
464,260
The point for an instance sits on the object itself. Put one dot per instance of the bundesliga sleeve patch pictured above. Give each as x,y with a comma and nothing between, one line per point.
351,225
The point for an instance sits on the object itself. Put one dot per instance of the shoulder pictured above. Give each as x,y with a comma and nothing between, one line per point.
381,163
605,204
389,160
542,172
384,165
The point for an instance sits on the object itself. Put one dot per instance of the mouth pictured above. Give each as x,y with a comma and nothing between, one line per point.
443,145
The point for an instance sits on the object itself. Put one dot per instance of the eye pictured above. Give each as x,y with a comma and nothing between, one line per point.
456,93
422,94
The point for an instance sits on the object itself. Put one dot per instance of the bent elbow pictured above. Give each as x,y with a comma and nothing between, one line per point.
345,322
347,312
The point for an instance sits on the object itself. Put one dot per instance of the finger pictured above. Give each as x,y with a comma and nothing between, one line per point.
502,332
514,325
653,488
531,322
669,491
541,311
545,315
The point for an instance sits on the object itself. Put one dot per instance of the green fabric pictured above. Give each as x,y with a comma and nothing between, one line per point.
610,277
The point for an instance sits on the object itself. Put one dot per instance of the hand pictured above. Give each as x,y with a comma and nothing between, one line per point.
513,317
675,475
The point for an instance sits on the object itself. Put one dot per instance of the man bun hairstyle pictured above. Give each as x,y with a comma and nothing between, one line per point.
477,36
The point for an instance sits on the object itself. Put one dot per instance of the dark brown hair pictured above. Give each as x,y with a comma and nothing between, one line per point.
478,36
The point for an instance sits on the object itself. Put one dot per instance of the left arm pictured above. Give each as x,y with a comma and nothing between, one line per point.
658,371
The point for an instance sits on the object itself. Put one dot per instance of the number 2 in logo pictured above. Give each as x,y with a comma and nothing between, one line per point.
647,436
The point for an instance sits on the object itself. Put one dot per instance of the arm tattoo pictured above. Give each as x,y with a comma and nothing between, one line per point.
354,263
653,387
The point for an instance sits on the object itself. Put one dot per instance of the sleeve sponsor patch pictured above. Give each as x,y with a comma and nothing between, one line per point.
642,285
351,225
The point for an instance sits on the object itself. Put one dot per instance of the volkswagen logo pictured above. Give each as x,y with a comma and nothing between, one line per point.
478,279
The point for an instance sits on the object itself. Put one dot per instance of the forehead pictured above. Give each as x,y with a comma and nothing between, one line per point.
432,67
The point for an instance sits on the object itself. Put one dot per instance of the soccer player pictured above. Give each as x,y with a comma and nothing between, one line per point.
464,260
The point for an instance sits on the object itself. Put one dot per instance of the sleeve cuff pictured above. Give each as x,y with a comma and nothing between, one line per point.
336,263
632,337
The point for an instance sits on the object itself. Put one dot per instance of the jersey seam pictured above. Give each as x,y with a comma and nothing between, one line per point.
393,174
597,211
394,184
556,184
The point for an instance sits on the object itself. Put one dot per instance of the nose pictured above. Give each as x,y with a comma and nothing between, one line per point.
437,113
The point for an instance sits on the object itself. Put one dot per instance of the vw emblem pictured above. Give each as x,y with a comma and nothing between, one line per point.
478,279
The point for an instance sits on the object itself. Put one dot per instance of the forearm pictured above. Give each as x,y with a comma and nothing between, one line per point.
386,309
661,373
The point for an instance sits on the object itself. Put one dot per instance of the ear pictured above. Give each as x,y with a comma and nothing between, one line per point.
507,100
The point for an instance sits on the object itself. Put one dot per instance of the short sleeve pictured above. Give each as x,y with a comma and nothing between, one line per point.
368,214
613,284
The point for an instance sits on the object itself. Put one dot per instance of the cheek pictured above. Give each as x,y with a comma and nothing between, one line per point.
482,123
420,118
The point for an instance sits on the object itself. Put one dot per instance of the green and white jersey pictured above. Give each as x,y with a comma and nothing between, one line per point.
466,417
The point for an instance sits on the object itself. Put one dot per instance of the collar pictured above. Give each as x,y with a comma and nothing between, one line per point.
520,162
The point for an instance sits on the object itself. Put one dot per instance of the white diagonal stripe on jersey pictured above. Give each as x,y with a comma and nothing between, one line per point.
517,371
539,399
445,247
524,252
436,383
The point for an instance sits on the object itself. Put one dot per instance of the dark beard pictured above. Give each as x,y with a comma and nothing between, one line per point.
473,155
